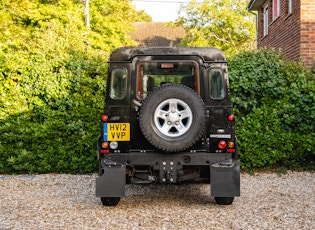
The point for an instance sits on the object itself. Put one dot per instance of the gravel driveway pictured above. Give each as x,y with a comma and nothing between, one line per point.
68,202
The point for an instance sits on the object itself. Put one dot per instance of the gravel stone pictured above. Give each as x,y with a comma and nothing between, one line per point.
62,201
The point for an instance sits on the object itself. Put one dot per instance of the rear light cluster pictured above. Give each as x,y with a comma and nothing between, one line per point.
106,145
228,145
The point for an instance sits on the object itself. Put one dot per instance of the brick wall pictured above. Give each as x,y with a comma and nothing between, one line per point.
284,31
293,34
308,31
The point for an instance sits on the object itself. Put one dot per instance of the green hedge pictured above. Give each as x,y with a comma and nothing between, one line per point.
50,109
50,115
274,102
52,80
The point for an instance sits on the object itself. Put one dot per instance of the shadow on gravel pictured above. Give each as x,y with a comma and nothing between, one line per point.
183,194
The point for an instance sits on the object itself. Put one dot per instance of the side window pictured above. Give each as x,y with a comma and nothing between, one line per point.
118,84
216,81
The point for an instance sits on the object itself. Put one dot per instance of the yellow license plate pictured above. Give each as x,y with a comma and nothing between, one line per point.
116,132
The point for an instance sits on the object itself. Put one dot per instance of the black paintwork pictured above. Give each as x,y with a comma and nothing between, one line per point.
144,162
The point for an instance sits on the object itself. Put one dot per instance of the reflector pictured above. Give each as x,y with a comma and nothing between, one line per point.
104,151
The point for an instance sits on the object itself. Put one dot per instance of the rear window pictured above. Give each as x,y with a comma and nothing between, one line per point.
216,84
152,75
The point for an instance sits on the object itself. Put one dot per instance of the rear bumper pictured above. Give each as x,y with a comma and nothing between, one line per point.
224,171
155,158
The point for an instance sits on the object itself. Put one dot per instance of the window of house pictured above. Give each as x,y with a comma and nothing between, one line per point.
290,6
275,9
265,18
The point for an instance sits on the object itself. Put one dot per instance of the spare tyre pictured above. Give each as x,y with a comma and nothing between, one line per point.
173,117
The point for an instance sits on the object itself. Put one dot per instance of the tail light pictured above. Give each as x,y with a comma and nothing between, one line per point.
104,149
104,145
231,147
231,117
222,145
104,118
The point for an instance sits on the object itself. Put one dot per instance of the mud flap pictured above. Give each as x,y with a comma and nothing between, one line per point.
112,182
225,179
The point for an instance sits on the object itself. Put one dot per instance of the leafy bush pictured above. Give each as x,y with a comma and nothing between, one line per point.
275,102
55,124
52,81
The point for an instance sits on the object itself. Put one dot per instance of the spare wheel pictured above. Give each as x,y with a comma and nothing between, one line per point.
173,117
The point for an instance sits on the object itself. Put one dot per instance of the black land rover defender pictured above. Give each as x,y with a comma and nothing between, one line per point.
167,119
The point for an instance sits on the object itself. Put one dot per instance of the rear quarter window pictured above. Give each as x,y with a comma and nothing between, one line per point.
118,84
216,84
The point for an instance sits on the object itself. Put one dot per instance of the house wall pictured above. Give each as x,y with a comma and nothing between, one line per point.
308,31
284,31
293,34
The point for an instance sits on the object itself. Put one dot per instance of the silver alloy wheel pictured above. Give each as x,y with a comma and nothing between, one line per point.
173,117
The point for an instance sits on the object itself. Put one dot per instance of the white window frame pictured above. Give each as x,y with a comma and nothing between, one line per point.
290,6
265,20
275,9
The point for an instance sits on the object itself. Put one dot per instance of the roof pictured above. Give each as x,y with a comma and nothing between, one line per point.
255,4
128,53
157,34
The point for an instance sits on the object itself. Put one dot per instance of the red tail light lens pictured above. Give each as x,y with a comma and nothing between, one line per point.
231,117
222,145
104,118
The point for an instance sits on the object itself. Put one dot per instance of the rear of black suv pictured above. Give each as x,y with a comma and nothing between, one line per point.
167,119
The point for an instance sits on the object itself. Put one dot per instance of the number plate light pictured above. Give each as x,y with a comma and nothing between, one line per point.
113,145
